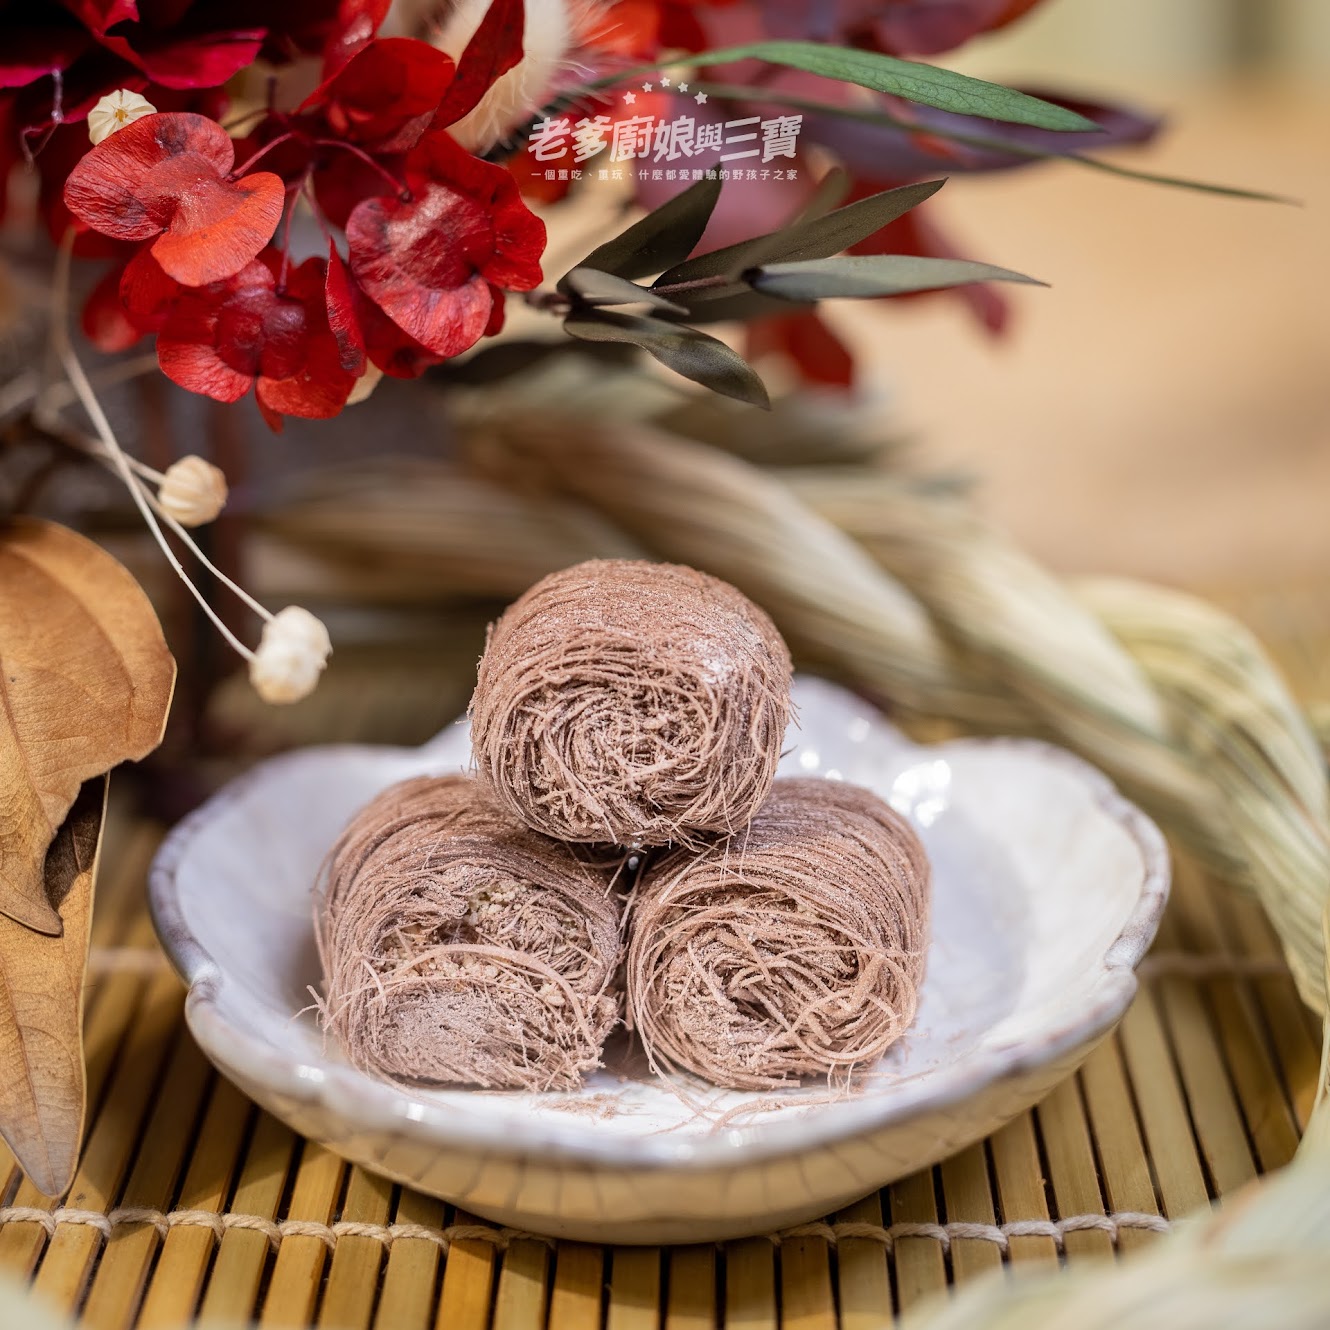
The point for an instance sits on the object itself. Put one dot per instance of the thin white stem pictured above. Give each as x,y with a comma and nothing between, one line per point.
50,422
79,380
184,535
75,438
18,392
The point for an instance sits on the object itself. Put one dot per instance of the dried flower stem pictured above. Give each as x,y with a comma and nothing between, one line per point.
78,380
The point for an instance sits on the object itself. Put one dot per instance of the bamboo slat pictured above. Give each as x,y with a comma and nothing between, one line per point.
1071,1167
634,1289
969,1200
411,1275
920,1267
863,1275
468,1283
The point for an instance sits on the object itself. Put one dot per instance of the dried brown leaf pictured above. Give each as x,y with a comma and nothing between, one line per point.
85,683
42,1087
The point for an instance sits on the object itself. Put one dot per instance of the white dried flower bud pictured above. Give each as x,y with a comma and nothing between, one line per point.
292,652
365,384
192,491
115,111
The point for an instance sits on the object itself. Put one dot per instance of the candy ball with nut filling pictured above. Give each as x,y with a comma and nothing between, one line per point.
632,703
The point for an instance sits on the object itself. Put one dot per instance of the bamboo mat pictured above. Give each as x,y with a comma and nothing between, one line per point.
190,1202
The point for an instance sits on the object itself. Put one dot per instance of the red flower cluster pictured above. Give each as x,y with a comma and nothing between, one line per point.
433,236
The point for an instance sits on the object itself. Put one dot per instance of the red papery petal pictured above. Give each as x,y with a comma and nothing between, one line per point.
345,180
273,419
386,94
146,292
106,188
223,338
356,23
317,391
199,368
105,321
416,269
495,325
427,260
629,29
924,27
495,47
203,61
389,349
98,15
219,226
342,318
34,52
819,354
518,234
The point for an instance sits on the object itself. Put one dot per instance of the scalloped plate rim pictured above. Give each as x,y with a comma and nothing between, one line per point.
377,1107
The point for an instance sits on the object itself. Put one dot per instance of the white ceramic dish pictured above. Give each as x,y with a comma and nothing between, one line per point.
1048,890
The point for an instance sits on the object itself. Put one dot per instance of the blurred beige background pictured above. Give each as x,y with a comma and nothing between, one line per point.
1164,409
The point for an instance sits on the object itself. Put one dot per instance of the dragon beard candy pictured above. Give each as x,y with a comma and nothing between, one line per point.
461,948
631,703
795,949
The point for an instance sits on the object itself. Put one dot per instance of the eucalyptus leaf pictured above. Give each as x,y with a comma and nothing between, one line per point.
984,142
693,354
863,276
816,238
925,84
662,238
589,286
741,303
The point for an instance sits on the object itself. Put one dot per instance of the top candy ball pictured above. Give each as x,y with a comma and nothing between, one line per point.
631,703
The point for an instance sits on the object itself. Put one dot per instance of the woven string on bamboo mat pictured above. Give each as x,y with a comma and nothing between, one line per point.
191,1202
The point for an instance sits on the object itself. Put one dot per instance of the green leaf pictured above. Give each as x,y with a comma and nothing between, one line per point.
995,143
588,286
862,276
693,354
925,84
662,238
817,238
740,302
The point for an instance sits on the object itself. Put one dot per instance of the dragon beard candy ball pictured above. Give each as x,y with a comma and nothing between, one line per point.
631,703
795,949
461,948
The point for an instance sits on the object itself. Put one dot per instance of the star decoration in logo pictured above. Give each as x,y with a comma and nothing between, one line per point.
646,87
701,99
665,81
683,87
630,97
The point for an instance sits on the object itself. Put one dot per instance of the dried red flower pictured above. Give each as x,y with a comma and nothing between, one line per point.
168,176
343,320
819,354
252,332
429,259
61,57
386,95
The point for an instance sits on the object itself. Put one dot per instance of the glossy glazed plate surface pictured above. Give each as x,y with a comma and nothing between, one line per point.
1048,887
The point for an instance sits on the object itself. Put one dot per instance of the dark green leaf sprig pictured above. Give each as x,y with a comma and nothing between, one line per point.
604,301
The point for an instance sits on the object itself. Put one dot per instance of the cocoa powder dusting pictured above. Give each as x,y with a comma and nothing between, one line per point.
632,703
461,948
794,949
